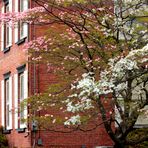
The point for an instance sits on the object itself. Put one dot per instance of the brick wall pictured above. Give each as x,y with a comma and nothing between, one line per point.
75,139
39,80
9,62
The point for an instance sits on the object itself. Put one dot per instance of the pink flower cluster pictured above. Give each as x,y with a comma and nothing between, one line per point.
36,44
25,16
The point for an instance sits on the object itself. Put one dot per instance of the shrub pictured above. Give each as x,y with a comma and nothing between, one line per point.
137,134
3,139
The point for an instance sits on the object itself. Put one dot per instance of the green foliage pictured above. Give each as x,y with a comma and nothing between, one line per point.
85,35
137,135
3,140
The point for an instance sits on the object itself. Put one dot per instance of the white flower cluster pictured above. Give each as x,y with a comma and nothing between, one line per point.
86,85
110,80
120,87
122,66
74,120
84,104
135,54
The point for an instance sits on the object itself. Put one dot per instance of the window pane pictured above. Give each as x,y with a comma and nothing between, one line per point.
21,30
21,89
21,86
7,8
7,27
7,35
21,5
22,115
7,91
7,98
7,116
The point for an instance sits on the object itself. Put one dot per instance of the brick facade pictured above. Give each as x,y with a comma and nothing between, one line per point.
38,80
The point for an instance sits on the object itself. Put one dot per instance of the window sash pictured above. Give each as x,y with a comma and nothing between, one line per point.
7,35
21,79
7,8
7,103
7,28
20,85
21,24
21,30
7,91
7,115
21,5
21,98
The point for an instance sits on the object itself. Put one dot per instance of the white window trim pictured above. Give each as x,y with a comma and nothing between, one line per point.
2,33
2,103
117,114
25,95
16,101
3,97
16,80
10,28
17,34
10,103
3,41
16,24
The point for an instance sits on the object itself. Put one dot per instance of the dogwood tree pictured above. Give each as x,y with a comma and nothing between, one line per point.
98,51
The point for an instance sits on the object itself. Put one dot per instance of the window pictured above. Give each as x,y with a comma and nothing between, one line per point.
6,101
21,32
21,24
20,93
6,30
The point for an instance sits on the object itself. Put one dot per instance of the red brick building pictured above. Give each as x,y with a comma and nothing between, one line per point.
18,80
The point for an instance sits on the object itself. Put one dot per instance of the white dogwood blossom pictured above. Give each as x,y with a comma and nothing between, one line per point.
122,66
74,120
83,104
109,81
134,54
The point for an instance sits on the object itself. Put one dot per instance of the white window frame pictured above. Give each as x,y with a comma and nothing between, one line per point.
21,93
16,101
6,103
18,36
6,44
21,24
117,114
